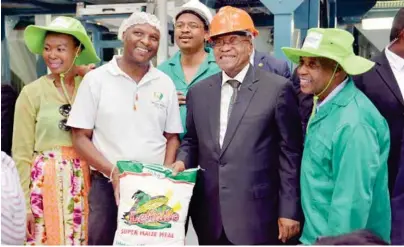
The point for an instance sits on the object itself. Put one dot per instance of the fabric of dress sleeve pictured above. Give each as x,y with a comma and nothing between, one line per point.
24,140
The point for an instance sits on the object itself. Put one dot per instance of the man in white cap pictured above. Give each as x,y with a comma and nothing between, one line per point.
124,110
194,61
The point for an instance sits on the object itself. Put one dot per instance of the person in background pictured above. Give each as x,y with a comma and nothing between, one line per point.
194,61
13,211
344,167
384,86
270,63
8,99
244,132
54,178
124,110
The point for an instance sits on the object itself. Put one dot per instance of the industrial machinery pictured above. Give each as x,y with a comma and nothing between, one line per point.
280,22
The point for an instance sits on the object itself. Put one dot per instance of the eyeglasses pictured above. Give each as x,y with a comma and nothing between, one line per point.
190,25
233,41
64,110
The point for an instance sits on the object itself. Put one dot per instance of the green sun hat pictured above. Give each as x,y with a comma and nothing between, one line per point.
332,43
34,37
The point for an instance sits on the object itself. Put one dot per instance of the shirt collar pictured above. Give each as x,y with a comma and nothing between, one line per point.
333,93
211,55
395,61
115,70
252,57
239,77
176,59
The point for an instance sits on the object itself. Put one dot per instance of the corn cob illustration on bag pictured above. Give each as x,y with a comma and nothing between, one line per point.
153,204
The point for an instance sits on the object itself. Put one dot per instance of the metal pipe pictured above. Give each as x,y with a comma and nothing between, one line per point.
283,22
162,15
42,20
5,58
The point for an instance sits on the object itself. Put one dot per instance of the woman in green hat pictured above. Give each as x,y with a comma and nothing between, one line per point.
54,178
344,166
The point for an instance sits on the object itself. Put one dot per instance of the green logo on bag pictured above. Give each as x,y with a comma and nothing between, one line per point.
151,212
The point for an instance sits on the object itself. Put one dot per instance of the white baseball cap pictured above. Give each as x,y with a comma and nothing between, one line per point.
199,8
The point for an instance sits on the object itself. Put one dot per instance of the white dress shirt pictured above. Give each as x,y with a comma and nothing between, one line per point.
226,93
252,57
397,66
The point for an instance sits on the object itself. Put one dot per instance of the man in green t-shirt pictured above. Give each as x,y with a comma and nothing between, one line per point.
194,61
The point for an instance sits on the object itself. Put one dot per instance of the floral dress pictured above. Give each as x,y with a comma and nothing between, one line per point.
54,179
59,186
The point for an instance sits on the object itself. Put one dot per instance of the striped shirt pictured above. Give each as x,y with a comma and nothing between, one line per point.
13,212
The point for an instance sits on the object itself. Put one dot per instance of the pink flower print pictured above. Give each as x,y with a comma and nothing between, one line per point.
51,155
71,238
76,163
77,216
75,185
36,171
36,204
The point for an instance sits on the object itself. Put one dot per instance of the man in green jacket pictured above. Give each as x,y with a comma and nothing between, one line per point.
344,166
194,61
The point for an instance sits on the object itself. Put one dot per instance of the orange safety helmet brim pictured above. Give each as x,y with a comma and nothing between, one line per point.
229,20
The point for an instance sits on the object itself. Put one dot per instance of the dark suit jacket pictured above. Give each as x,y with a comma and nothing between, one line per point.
254,178
305,101
271,64
381,87
397,206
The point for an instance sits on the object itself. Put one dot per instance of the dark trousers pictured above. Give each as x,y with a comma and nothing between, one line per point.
102,220
223,240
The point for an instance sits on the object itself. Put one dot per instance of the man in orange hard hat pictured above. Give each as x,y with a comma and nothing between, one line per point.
244,132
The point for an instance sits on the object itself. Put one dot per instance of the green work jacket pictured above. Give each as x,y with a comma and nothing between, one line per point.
344,169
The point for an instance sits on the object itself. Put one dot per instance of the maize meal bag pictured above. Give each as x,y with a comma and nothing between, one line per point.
153,204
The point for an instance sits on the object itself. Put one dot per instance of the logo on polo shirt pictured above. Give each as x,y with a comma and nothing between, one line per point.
157,100
158,96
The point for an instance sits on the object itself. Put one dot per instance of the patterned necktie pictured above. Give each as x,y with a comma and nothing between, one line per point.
234,84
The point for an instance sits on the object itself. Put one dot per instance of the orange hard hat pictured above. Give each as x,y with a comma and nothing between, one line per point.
230,19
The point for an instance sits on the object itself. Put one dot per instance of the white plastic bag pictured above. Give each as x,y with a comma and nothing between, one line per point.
153,204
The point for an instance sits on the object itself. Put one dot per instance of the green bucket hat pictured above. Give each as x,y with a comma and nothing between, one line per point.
332,43
34,37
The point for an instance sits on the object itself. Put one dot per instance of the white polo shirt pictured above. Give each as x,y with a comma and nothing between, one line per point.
105,103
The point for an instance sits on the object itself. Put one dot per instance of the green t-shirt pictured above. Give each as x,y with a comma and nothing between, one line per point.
172,67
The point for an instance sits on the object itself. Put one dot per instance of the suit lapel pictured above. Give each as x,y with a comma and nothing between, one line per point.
247,91
387,75
258,57
213,99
